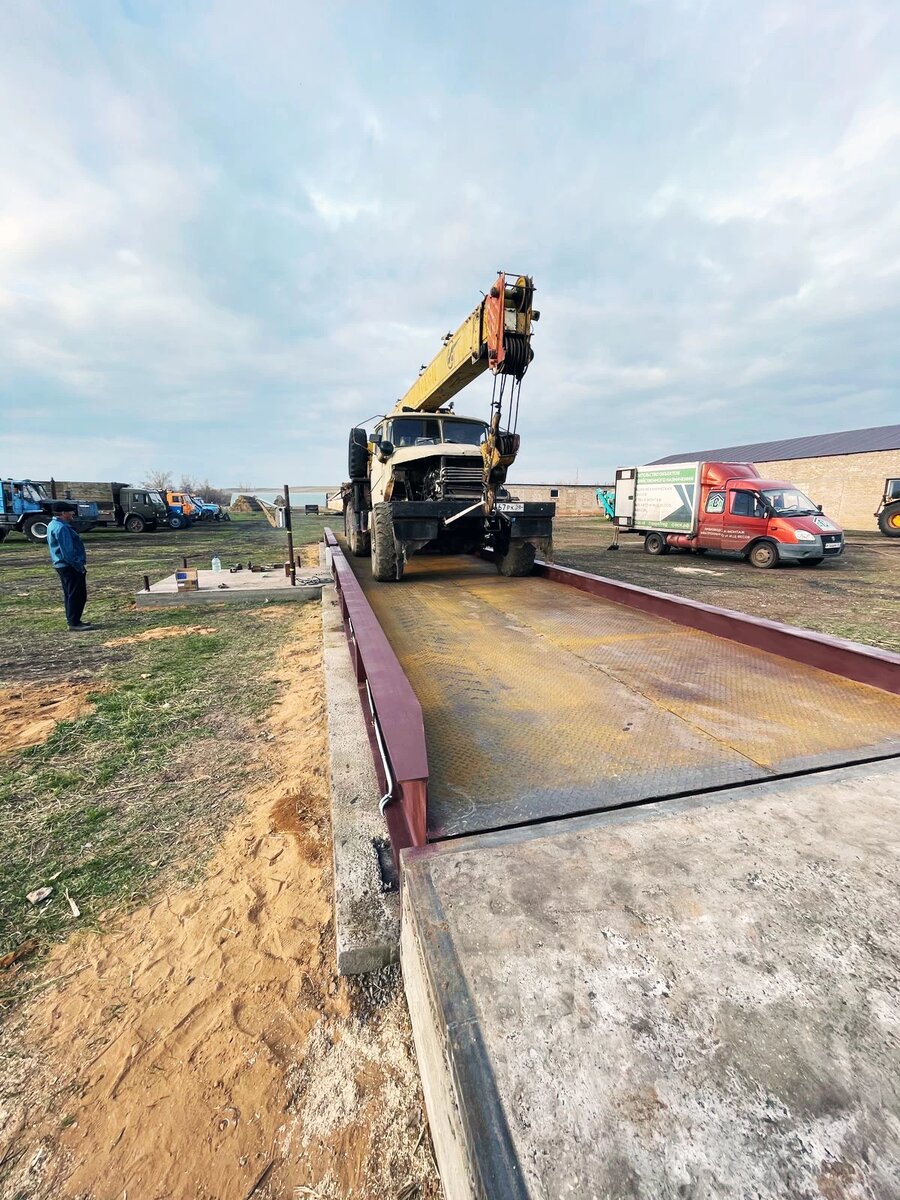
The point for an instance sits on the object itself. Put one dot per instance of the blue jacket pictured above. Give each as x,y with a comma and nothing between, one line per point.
65,545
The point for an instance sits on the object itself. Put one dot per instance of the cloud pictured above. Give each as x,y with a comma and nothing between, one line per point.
228,232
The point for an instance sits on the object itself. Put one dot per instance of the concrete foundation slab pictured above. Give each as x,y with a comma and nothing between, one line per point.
221,587
367,918
698,998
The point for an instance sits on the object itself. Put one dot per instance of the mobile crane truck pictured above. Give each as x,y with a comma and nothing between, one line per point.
428,478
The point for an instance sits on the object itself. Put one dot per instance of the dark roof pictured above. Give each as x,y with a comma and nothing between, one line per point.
820,445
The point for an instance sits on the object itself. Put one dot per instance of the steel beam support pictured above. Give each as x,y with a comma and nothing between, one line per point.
396,709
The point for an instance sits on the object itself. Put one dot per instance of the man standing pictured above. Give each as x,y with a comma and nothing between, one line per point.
68,555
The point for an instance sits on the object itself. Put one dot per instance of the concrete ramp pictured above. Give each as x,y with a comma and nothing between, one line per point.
690,999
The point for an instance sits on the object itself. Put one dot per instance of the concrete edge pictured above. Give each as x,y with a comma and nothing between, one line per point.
473,1146
653,810
260,596
367,919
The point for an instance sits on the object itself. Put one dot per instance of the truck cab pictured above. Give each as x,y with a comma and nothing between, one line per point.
140,510
26,507
768,521
182,510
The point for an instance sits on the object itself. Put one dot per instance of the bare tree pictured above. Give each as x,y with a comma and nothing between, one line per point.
158,481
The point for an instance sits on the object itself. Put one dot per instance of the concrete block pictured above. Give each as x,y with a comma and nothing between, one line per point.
694,998
367,918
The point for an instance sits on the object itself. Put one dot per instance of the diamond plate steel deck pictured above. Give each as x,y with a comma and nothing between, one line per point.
540,701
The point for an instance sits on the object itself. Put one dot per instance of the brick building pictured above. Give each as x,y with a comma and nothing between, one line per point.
571,499
844,472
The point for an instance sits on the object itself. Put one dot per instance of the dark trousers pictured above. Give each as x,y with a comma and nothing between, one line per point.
74,586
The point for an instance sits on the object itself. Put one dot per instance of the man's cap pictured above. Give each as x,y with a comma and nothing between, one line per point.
59,506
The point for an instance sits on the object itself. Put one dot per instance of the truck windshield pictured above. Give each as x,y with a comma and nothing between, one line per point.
430,431
416,431
33,493
464,433
788,502
155,498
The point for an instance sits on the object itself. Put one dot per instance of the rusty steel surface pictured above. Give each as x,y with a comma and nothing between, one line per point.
541,701
865,664
396,707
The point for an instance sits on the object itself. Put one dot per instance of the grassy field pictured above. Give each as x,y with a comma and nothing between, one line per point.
854,596
142,787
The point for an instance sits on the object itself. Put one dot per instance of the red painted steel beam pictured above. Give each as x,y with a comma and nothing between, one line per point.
396,706
852,660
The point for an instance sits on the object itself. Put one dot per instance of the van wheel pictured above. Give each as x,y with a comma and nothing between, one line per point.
387,564
135,524
36,529
655,543
764,555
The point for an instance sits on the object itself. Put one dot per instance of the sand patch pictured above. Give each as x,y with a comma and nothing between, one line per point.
205,1044
30,712
162,631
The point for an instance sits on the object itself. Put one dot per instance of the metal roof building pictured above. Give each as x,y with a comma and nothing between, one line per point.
820,445
844,472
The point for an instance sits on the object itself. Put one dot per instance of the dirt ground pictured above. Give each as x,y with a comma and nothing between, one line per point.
29,713
853,596
202,1047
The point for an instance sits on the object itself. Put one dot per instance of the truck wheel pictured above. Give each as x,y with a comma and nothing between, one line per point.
889,520
135,524
358,456
387,564
360,543
764,555
655,543
177,521
36,529
517,561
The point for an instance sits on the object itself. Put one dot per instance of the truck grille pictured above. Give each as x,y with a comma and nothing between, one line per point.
461,479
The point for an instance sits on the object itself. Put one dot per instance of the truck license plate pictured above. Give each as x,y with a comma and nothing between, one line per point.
506,506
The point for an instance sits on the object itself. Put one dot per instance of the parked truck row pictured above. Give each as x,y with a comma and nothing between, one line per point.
26,507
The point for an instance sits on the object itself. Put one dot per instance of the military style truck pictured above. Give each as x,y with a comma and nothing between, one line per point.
430,479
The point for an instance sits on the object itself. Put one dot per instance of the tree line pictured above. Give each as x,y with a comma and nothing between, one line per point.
164,481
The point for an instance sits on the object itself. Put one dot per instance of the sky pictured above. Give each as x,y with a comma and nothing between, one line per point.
230,231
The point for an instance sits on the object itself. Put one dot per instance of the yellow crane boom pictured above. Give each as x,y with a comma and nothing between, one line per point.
496,336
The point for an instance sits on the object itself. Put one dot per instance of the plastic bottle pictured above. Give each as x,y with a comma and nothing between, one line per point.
217,564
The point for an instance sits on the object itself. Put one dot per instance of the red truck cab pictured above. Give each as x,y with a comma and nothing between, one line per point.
766,520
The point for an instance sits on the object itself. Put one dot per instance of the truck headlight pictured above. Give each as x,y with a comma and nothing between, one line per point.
802,536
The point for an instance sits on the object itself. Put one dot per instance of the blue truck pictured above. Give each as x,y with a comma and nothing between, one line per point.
26,507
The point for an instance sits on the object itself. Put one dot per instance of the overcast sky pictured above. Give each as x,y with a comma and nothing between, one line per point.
230,230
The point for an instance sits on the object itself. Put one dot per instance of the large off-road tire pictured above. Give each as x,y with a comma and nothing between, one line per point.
358,455
655,543
178,521
360,543
135,523
387,564
35,528
764,555
518,559
889,520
